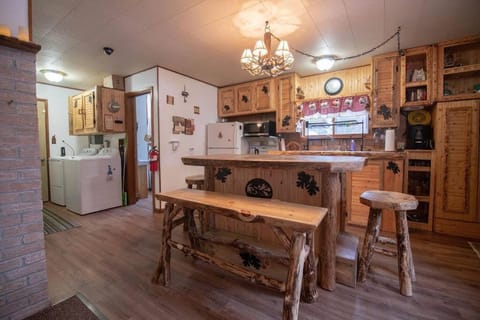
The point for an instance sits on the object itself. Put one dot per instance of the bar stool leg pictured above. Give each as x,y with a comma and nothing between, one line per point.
371,236
403,252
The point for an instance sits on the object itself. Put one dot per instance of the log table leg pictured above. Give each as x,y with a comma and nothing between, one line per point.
371,235
298,254
164,263
328,234
403,248
309,287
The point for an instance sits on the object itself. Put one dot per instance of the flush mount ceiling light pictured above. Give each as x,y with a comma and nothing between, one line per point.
53,75
260,61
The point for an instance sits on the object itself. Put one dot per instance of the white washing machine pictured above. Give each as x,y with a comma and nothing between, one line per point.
93,183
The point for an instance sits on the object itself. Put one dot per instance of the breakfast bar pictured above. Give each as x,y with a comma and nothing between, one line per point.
304,179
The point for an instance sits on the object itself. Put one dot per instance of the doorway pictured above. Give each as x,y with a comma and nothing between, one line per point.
42,118
140,128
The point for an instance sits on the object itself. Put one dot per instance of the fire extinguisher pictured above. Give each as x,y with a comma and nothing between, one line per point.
153,158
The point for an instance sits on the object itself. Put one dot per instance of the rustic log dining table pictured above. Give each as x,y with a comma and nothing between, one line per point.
305,179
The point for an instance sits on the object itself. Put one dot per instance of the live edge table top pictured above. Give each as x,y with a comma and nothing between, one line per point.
327,163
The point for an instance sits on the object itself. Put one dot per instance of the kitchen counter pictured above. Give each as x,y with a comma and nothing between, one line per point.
309,179
371,155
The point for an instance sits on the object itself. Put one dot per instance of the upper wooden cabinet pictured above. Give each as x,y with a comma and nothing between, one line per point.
246,98
459,69
286,110
264,95
101,110
385,106
417,76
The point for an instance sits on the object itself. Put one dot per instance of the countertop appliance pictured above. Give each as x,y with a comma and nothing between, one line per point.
93,183
262,145
226,138
259,129
419,130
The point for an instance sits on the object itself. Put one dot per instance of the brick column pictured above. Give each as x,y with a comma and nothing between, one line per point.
23,272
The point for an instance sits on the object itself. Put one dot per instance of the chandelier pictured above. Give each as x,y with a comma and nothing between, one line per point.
262,61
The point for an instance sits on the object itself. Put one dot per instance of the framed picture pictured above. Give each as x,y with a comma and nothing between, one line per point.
178,125
196,109
170,100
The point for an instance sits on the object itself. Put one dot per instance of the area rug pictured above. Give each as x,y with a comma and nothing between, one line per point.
475,247
53,222
73,308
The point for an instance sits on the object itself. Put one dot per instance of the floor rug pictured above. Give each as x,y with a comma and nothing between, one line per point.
475,247
53,222
73,308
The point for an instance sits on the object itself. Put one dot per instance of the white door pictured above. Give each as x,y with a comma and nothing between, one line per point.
42,139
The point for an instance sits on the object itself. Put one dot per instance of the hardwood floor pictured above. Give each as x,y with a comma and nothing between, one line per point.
112,256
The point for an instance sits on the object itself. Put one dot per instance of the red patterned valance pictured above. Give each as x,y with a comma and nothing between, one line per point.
334,105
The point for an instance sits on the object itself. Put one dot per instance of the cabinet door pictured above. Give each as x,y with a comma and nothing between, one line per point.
78,117
456,132
244,98
385,92
286,121
89,107
112,107
226,102
370,178
264,96
416,74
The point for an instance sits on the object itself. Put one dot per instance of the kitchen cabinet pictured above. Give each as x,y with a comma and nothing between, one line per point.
385,106
285,97
246,98
419,180
417,76
101,110
459,69
376,175
226,102
457,189
264,95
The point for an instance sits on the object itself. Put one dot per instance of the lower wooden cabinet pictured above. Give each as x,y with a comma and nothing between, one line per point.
376,175
457,183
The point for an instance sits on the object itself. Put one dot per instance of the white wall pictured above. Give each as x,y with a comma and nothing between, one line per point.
173,172
58,118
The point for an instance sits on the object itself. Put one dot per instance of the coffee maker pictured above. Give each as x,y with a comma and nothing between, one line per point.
419,130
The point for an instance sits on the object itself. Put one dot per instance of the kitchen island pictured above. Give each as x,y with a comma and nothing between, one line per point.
305,179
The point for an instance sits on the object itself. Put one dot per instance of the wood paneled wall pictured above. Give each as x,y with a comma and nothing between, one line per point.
355,81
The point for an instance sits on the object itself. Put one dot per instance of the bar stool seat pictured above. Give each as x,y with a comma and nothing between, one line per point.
197,180
400,203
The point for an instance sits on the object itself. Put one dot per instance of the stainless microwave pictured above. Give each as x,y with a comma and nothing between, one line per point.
259,129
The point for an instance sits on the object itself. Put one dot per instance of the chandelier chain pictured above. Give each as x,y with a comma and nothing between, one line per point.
396,34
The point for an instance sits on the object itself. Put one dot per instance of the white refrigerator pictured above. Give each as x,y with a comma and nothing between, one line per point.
226,138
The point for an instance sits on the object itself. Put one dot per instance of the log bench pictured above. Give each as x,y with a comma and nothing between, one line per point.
292,223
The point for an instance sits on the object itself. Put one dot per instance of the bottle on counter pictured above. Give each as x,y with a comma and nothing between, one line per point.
352,145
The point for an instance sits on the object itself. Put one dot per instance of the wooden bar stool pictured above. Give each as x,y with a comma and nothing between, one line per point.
400,202
197,181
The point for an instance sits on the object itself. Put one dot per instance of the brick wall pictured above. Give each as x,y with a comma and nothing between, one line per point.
23,274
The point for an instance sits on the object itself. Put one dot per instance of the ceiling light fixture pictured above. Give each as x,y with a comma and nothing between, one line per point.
53,75
262,61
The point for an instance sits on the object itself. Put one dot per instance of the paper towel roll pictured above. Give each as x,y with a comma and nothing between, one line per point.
390,140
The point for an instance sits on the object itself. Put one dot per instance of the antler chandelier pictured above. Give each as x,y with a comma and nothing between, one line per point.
261,61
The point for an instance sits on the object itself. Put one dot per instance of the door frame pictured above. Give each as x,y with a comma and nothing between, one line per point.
131,154
47,144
